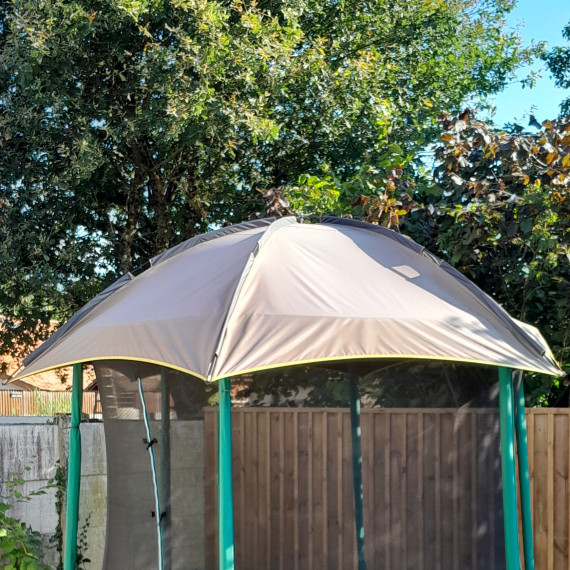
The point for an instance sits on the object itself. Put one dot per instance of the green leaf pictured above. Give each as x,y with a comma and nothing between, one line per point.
7,545
526,226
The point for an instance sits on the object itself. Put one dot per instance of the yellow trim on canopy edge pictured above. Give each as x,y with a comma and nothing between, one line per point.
99,359
382,357
282,364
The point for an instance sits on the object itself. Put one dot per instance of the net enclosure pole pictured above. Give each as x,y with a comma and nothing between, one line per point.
165,457
73,471
357,468
524,477
510,514
225,491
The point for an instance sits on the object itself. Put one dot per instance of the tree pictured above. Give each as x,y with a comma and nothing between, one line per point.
129,125
558,62
503,218
497,207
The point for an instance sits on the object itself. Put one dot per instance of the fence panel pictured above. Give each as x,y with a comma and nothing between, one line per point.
40,403
549,458
422,481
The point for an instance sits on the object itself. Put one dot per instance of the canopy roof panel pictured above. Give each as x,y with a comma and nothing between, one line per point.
269,293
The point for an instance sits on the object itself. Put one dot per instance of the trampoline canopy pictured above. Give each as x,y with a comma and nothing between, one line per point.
274,293
267,294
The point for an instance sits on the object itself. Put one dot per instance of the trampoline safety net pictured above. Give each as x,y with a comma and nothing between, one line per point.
431,469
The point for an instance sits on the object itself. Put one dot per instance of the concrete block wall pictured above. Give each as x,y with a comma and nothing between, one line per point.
93,495
34,446
39,443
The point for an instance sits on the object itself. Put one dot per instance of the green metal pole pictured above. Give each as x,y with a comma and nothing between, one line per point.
357,468
524,477
73,471
165,471
508,469
225,492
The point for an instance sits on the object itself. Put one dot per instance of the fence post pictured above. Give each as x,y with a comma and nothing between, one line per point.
165,471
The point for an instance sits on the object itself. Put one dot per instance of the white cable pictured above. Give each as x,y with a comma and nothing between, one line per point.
154,477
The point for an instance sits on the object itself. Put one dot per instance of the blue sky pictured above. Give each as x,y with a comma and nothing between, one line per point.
539,20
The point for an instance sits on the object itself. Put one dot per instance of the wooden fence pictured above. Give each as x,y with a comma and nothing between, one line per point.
432,491
40,403
549,456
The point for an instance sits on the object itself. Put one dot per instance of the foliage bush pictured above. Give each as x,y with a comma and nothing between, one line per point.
502,216
20,545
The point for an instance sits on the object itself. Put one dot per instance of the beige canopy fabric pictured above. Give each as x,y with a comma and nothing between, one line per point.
266,294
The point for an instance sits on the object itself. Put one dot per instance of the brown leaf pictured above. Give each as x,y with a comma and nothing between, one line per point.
465,116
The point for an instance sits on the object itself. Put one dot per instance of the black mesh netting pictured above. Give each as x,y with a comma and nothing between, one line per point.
430,464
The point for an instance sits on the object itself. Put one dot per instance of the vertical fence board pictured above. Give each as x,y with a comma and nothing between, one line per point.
367,430
397,489
263,489
421,498
560,489
275,492
448,505
412,507
463,489
250,499
473,523
349,532
303,460
550,489
317,484
289,484
376,535
340,494
540,514
429,457
333,480
239,486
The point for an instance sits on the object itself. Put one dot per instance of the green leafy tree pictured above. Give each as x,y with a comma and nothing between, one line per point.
503,218
127,126
558,62
497,207
379,193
